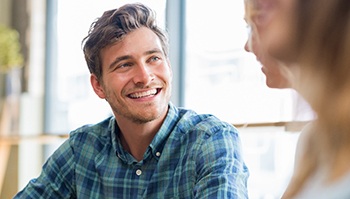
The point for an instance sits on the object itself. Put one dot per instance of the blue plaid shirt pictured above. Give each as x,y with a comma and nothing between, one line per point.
192,156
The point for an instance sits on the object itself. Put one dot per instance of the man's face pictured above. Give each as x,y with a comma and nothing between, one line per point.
136,77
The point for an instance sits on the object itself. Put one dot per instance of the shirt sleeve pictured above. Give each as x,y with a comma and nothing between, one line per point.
221,170
56,179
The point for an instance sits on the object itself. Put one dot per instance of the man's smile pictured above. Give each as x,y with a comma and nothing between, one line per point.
143,94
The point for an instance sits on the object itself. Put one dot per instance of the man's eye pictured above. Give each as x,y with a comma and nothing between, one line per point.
124,65
155,58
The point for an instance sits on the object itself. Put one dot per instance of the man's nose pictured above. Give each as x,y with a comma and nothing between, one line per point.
143,74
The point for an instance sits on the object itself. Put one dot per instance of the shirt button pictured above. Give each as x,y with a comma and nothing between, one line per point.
158,154
138,172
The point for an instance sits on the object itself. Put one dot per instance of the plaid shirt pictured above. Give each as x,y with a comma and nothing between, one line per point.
192,156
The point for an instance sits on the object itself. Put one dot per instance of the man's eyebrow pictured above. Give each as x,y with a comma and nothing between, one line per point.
119,59
122,58
155,50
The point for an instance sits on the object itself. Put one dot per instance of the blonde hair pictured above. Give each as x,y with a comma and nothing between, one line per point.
323,43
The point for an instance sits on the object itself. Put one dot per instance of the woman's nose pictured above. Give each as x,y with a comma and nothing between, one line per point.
246,46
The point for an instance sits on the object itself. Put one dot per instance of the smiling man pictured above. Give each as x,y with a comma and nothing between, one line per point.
149,148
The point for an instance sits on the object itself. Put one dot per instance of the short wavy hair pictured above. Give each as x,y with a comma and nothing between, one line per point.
113,26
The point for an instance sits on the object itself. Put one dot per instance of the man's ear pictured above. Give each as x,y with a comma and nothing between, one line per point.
98,88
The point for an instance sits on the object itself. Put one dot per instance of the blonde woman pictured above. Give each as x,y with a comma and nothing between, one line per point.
313,37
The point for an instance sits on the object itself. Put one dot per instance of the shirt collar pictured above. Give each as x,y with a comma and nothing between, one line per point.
158,141
162,135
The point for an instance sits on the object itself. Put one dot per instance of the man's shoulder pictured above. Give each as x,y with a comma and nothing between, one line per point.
93,132
208,123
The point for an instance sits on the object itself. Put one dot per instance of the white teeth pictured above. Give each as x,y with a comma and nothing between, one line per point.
144,94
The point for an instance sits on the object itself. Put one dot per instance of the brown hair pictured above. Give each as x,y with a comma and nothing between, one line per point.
112,26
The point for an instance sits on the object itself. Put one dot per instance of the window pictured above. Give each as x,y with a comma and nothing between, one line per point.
221,78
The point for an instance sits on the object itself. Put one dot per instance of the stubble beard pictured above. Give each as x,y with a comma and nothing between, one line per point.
119,108
139,117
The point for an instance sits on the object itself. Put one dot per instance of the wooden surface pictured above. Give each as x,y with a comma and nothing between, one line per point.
293,126
39,139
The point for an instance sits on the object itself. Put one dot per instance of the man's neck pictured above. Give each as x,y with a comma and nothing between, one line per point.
135,138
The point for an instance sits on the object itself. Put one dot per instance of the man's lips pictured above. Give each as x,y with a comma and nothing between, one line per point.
143,94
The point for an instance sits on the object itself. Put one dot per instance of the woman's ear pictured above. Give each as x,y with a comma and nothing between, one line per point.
98,88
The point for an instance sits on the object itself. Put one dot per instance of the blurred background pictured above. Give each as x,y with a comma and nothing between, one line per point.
45,91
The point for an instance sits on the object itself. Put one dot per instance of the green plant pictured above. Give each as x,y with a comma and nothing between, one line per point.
10,55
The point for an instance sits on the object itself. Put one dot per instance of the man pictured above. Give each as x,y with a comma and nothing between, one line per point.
150,148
